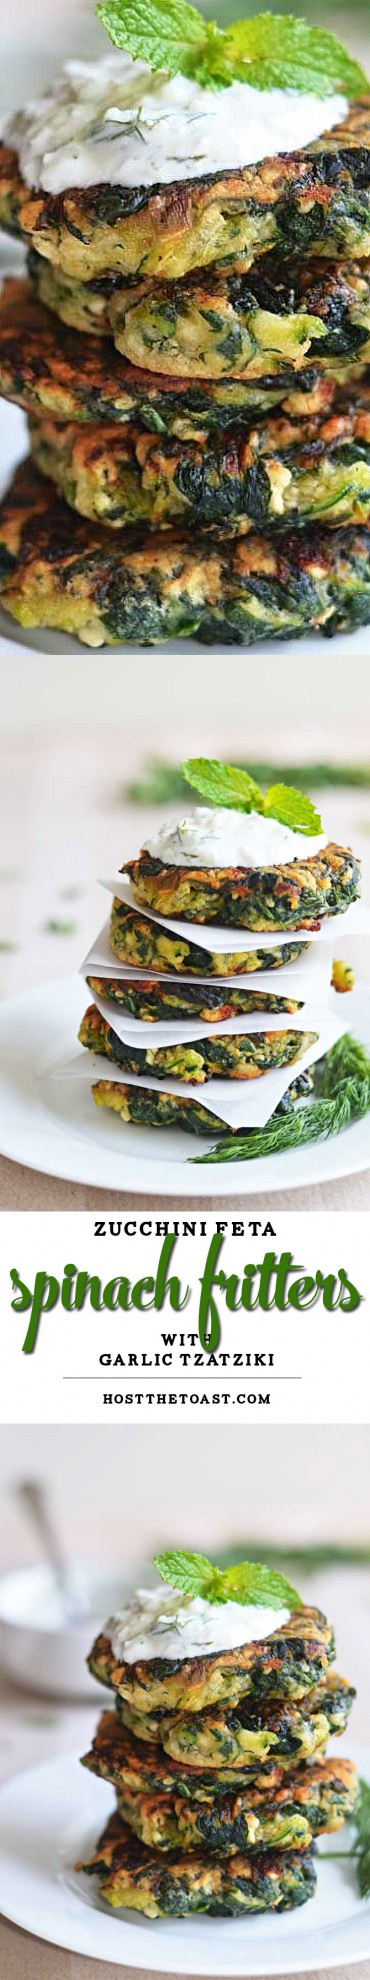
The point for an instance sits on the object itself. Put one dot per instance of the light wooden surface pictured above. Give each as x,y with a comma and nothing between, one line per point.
64,821
22,1958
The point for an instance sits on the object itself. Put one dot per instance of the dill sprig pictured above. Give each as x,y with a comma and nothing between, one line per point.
342,1095
360,1851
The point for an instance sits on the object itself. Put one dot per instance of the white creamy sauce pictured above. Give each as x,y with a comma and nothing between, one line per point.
217,837
116,122
160,1622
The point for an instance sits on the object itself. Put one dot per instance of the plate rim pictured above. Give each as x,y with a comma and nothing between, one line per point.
46,1001
62,1764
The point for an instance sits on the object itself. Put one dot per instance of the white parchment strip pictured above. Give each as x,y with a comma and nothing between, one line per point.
239,1103
308,976
355,921
135,1031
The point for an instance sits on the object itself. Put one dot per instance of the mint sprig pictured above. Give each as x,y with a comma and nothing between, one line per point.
248,1582
269,51
224,784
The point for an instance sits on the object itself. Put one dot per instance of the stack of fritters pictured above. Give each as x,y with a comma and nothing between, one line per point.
194,359
295,897
218,1764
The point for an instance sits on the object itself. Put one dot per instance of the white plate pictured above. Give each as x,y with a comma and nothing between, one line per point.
53,1125
52,1815
14,445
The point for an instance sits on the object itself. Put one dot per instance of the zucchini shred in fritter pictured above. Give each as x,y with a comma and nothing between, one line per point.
132,1876
283,471
316,1799
153,1002
311,202
62,572
247,1056
299,894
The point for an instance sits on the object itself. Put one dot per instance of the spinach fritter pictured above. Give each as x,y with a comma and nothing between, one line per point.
230,1734
146,944
70,378
153,1002
280,471
300,894
259,1743
283,1665
58,570
247,325
315,1799
143,1106
311,202
133,1876
244,1057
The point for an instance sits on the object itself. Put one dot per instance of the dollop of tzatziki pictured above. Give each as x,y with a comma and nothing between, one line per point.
114,121
213,836
159,1622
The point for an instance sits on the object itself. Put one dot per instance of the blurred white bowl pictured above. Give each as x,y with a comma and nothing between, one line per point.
39,1648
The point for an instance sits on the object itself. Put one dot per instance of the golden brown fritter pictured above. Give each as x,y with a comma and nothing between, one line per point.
300,894
69,377
73,576
283,1665
313,201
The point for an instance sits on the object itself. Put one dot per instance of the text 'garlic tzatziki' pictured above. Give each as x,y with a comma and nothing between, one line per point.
115,122
213,836
160,1622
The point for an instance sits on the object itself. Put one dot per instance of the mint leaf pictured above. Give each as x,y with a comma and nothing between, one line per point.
223,784
251,1582
168,34
191,1573
246,1583
275,51
292,808
270,51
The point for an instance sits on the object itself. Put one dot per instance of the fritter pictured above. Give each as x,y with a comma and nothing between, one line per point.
244,1057
233,1736
81,305
278,472
314,201
71,379
153,1002
142,1106
284,1665
278,1736
300,894
315,1800
247,325
60,571
145,944
132,1876
145,1108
